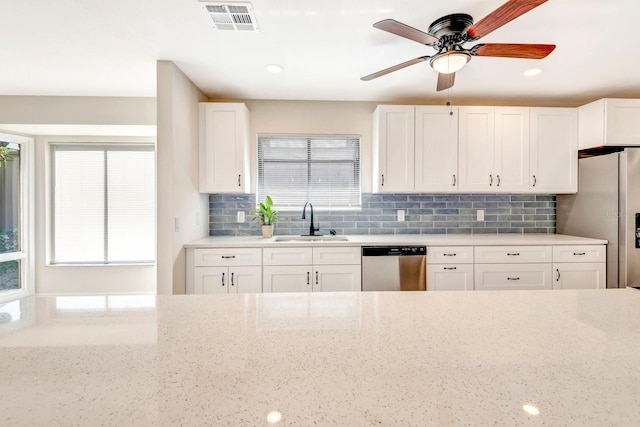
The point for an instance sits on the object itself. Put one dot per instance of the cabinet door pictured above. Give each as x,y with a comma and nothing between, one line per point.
281,278
211,280
393,148
579,275
512,276
554,150
449,277
224,148
436,149
476,145
245,280
511,150
336,278
622,121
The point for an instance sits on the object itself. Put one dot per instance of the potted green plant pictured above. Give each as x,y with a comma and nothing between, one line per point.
267,217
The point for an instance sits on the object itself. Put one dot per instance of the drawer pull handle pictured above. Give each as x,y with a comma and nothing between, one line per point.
513,278
316,277
558,275
222,279
449,254
579,253
228,256
231,279
449,268
513,253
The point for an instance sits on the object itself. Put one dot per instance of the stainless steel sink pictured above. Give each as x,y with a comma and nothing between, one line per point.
328,238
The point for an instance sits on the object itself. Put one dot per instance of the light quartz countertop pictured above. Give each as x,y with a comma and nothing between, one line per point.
344,359
403,239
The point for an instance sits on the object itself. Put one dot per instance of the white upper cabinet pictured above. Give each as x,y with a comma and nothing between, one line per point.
554,150
494,149
609,122
436,149
224,148
393,148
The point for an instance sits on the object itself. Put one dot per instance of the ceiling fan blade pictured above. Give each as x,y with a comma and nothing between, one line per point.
445,81
502,15
394,68
398,28
507,50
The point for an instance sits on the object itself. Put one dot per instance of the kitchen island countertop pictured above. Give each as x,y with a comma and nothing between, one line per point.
347,359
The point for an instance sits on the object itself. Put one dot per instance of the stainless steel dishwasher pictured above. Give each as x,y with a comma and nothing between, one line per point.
394,268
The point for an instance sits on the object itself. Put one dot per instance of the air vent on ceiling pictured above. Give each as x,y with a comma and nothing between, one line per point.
231,16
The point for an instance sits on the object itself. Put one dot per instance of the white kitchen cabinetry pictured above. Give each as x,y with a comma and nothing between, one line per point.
450,268
579,267
512,267
224,148
553,159
609,121
494,149
393,148
436,149
214,270
318,269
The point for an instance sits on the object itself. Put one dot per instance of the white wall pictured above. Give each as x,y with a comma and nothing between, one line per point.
70,112
314,117
177,169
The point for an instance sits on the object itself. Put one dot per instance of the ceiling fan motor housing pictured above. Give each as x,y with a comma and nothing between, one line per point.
456,23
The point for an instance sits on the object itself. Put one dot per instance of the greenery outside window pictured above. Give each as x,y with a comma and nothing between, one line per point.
324,170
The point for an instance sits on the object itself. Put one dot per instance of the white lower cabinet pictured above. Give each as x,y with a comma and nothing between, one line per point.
579,275
223,280
512,276
450,268
318,269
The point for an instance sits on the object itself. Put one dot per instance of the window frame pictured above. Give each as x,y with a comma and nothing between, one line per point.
27,218
309,162
123,143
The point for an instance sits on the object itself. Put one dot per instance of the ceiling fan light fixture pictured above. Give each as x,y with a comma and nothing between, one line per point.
449,62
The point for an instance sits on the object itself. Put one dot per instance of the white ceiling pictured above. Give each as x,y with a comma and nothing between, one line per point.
110,48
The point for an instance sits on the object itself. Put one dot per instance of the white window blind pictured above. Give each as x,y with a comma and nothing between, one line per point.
324,170
103,199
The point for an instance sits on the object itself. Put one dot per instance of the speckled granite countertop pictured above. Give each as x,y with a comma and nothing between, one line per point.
404,239
344,359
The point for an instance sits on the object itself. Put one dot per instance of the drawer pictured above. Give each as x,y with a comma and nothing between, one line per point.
582,253
349,255
287,256
227,257
449,255
512,254
512,276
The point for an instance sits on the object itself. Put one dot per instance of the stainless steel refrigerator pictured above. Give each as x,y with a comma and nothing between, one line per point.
607,206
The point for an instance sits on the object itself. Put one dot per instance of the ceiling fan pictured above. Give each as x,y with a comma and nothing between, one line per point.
448,35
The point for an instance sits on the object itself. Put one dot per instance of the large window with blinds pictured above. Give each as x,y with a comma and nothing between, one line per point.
103,203
324,170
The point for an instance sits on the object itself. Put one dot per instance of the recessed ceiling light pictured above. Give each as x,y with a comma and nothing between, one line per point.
531,410
274,417
274,68
532,72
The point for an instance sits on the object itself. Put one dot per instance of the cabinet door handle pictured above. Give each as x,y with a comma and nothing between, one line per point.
382,184
449,254
448,268
239,185
513,278
558,275
222,279
534,180
454,180
308,277
579,253
498,176
316,277
231,279
513,254
228,256
490,180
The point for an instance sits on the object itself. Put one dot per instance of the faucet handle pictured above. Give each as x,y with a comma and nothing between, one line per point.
317,228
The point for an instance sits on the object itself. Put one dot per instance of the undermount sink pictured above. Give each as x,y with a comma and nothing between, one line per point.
329,238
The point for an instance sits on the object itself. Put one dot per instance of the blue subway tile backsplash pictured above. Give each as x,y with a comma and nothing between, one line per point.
424,214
